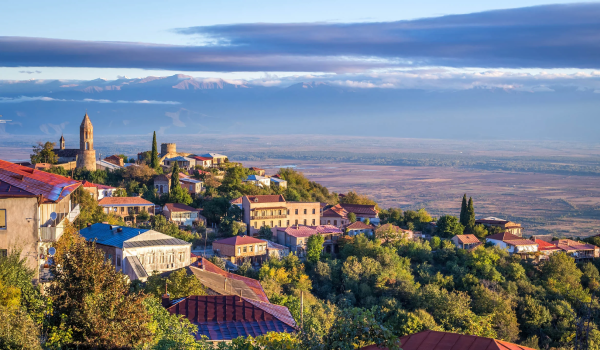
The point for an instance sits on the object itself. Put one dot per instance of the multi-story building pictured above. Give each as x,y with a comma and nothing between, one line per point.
337,215
126,207
162,184
34,209
274,211
138,252
183,214
296,237
239,248
505,225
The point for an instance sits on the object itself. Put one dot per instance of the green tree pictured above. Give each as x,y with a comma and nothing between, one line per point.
448,226
179,284
314,247
480,231
470,219
120,192
43,153
180,195
265,232
92,300
154,161
91,212
175,176
352,217
463,218
169,331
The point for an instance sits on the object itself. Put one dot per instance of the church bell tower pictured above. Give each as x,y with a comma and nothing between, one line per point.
62,142
86,158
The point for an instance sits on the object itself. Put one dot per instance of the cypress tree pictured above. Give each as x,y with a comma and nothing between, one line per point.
175,176
463,211
154,155
470,216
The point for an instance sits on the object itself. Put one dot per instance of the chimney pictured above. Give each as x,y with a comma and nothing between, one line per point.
120,229
111,227
89,224
166,300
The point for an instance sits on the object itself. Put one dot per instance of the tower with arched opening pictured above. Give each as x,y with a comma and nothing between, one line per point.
86,159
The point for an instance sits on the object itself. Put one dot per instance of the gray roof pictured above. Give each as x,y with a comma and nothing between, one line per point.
109,235
66,153
137,269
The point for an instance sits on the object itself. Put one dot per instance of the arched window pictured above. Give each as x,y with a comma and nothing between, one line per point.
87,146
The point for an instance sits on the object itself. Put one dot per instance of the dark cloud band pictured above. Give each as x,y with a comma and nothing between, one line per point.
552,36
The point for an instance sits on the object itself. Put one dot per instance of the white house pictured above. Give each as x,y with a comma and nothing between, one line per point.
258,180
183,214
513,244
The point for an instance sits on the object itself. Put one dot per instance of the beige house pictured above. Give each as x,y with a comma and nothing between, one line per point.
162,184
274,211
505,225
296,238
239,248
217,159
126,207
183,214
34,209
138,252
465,241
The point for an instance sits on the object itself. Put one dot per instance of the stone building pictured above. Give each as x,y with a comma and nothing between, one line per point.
65,155
86,159
239,248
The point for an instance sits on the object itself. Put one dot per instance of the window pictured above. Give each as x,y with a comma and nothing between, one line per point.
304,222
251,248
296,211
314,211
141,258
271,223
305,212
263,225
279,212
239,250
87,146
313,222
162,258
296,223
279,223
288,212
245,249
328,222
181,257
334,222
287,223
151,259
2,219
255,224
118,261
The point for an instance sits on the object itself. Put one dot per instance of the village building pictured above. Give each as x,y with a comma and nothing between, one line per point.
580,251
220,282
359,227
468,241
512,243
258,171
545,247
337,215
436,340
101,164
258,180
162,184
98,191
278,182
363,212
183,215
116,160
505,225
240,248
35,207
222,318
389,232
296,238
204,162
277,250
126,207
65,155
182,162
274,211
138,252
216,158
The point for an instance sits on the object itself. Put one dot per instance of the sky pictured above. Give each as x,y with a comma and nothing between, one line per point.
252,39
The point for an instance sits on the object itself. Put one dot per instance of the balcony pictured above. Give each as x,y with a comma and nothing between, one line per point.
53,231
267,217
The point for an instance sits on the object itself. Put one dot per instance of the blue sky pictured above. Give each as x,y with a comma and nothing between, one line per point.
188,24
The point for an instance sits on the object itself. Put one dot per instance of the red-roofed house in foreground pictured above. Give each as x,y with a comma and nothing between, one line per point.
226,317
34,208
432,340
512,243
578,250
239,248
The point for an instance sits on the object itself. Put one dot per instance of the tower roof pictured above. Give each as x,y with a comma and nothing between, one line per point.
62,138
86,121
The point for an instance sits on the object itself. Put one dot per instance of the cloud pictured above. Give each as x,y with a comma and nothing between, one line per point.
29,72
53,129
549,36
50,99
175,117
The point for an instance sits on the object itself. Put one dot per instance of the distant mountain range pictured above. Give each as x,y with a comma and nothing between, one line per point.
181,104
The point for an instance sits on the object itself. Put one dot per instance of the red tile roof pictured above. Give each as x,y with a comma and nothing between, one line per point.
98,186
467,239
238,200
543,245
504,236
226,317
267,198
570,245
517,242
239,240
307,231
432,340
201,158
108,201
359,225
336,212
34,182
253,284
255,168
178,207
360,209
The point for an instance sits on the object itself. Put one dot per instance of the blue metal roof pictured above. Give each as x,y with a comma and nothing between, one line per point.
103,234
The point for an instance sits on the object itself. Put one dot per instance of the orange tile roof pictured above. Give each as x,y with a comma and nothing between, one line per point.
237,200
504,236
336,211
35,182
432,340
467,239
360,209
239,240
108,201
359,225
570,245
99,186
178,207
543,245
253,284
517,242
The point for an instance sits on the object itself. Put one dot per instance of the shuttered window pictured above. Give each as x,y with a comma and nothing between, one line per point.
2,219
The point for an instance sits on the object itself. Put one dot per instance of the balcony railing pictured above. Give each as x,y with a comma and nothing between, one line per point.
265,217
53,232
